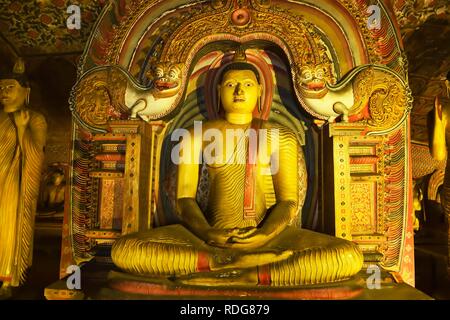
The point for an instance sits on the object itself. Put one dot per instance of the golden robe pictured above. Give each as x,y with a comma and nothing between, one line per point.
20,172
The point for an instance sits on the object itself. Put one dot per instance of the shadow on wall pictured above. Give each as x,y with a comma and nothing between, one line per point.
52,79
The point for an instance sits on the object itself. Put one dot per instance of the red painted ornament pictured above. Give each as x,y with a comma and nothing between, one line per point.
46,19
240,17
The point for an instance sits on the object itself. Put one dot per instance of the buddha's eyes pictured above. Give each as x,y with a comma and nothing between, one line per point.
234,84
6,88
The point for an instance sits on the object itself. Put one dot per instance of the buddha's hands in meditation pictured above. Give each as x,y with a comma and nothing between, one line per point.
249,237
219,237
238,237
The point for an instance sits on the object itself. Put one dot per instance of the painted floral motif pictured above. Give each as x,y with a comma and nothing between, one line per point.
40,26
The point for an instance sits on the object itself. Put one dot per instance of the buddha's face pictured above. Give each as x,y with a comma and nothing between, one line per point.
239,91
12,95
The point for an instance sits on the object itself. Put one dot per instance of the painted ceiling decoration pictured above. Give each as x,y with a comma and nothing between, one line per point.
425,28
35,27
39,26
413,13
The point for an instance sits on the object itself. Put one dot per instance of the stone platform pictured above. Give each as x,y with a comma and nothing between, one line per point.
104,282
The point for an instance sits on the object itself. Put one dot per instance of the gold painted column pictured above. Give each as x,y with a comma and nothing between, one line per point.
342,195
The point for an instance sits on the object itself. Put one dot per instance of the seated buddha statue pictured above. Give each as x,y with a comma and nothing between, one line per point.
237,240
54,193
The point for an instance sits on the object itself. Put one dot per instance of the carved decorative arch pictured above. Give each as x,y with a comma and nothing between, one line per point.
132,36
129,29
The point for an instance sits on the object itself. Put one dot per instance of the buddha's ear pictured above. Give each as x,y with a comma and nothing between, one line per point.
260,89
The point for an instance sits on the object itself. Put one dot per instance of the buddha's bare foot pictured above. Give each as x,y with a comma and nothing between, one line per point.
221,278
248,260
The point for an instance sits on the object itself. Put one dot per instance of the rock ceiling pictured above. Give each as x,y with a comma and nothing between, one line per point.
38,27
425,26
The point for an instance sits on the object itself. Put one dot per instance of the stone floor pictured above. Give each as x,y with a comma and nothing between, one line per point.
45,269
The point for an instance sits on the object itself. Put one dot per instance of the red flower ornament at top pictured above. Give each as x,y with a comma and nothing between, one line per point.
240,17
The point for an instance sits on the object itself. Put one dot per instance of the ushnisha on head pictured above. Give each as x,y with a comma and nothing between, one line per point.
14,89
240,89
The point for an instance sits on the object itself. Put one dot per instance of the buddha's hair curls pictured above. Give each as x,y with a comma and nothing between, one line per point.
239,66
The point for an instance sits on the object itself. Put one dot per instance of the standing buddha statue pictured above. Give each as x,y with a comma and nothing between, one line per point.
22,141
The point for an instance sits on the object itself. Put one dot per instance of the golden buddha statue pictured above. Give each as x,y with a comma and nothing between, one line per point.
237,240
440,148
22,141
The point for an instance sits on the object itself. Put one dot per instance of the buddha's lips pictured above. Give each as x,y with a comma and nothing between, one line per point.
239,99
164,85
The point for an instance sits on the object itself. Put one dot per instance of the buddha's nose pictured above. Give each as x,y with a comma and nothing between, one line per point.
238,90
